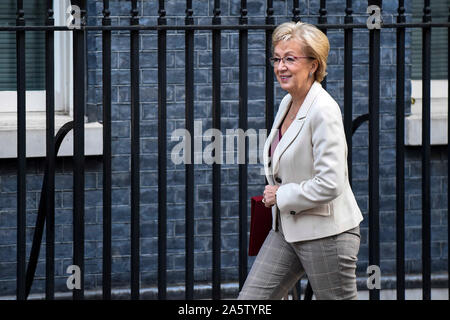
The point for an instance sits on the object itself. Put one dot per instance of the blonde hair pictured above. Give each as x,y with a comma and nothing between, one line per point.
313,41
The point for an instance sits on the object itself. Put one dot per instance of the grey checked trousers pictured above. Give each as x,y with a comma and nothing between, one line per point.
329,263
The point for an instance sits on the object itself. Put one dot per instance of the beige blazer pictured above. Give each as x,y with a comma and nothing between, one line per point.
310,166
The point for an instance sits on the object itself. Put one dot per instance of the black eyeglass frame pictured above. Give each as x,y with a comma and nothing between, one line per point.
276,60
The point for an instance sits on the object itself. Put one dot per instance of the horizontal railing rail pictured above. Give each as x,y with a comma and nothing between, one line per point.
221,27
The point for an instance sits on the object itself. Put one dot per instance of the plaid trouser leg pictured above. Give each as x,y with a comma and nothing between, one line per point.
275,270
330,264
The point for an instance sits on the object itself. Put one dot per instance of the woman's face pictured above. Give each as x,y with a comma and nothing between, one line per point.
293,77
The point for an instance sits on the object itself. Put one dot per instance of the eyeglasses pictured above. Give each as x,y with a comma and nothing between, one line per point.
288,60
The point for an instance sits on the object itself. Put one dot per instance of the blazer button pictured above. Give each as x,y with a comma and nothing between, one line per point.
277,179
293,212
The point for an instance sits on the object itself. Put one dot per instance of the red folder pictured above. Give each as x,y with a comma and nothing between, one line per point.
260,225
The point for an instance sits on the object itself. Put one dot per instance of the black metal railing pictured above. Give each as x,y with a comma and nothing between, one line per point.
106,77
47,207
189,117
21,153
400,153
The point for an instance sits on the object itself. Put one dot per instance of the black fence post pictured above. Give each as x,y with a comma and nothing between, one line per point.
216,87
21,153
50,153
162,155
448,153
242,152
79,104
189,165
295,11
426,127
323,22
400,155
270,20
374,130
348,85
135,153
106,87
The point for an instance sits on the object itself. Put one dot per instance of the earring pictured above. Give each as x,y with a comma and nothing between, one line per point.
310,74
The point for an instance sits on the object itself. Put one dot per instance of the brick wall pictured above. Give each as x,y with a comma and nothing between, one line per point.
203,176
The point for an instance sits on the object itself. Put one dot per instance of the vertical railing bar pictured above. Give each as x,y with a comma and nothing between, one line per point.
400,154
269,112
322,26
295,11
426,187
216,87
323,16
135,153
298,286
374,130
79,104
162,155
348,85
308,291
448,155
21,154
50,153
106,75
189,166
242,152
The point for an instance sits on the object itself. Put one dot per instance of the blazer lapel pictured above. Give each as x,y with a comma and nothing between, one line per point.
296,126
273,132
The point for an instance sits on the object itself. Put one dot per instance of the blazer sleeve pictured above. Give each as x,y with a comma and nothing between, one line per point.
329,163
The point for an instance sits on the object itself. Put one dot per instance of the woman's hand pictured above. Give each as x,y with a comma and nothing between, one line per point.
270,195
